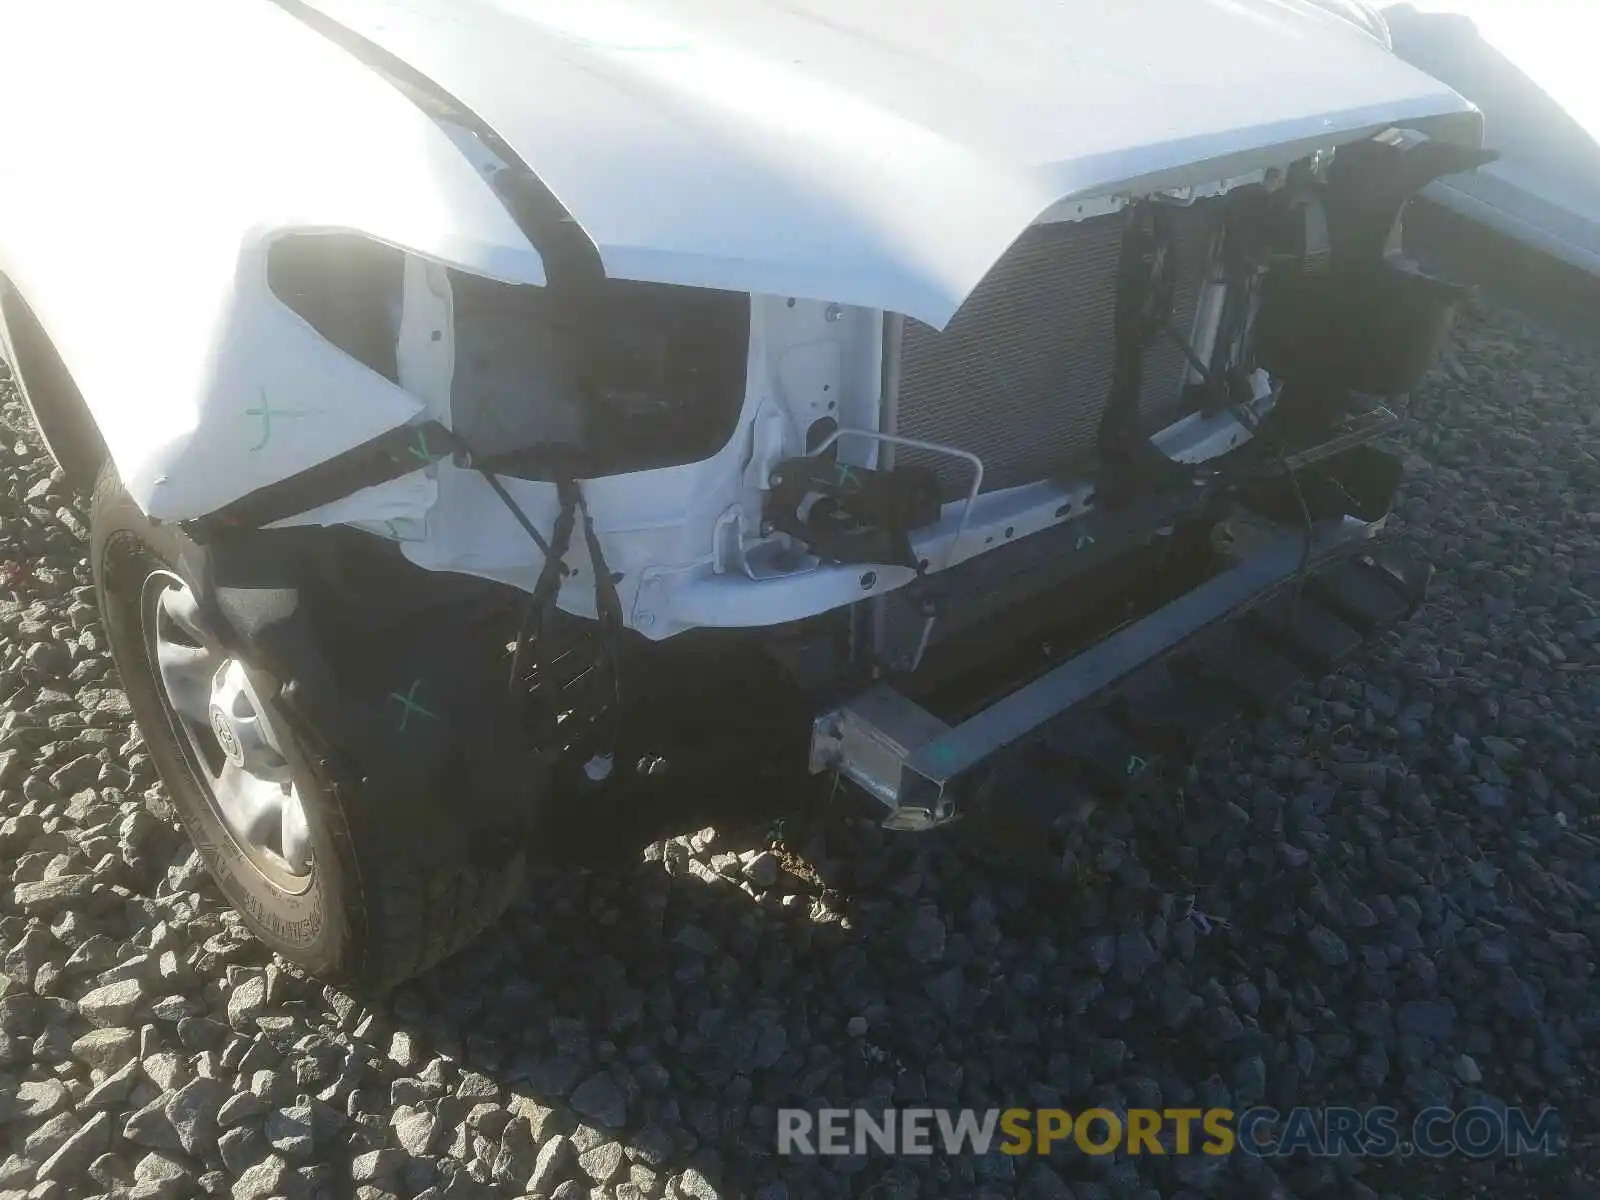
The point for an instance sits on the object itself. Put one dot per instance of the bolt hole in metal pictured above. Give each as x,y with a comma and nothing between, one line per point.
233,746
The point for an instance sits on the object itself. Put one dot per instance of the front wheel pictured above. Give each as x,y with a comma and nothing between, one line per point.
333,868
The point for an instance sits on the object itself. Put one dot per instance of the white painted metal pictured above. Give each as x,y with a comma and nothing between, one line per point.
671,599
1530,66
883,154
152,151
836,161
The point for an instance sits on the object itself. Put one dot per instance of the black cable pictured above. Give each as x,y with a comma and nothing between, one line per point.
543,595
608,604
608,611
516,511
550,573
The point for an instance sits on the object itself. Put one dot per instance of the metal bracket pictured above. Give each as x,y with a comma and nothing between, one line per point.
869,741
892,439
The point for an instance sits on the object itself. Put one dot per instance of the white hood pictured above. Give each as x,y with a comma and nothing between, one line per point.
883,153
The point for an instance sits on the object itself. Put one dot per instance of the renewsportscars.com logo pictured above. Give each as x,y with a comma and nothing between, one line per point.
1480,1132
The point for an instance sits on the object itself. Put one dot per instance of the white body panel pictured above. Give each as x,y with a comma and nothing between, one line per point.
1529,66
148,163
883,154
880,156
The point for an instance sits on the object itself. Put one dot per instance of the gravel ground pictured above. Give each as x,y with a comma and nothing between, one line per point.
1407,864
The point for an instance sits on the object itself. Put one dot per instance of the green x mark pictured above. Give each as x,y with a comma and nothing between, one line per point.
846,477
266,412
421,450
409,705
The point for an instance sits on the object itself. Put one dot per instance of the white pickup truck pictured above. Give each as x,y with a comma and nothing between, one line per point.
469,389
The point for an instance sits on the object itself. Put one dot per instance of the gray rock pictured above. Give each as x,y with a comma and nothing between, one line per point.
603,1163
600,1099
37,1098
381,1166
113,1004
247,1002
17,1172
106,1049
238,1108
1431,1020
693,1184
414,1129
475,1085
169,1071
1372,1068
164,1175
290,1132
1101,951
517,1154
1490,796
550,1166
47,897
762,870
1042,1183
50,1137
696,940
1135,955
1328,946
241,1148
925,939
114,1089
192,1110
149,1127
267,1178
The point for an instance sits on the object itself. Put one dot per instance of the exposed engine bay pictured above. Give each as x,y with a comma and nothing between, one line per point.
1121,390
1104,358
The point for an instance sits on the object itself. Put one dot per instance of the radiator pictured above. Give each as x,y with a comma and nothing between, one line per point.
1021,374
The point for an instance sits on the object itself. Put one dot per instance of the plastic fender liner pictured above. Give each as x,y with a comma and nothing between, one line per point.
399,683
1363,318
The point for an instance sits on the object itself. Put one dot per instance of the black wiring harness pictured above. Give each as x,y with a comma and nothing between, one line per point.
534,630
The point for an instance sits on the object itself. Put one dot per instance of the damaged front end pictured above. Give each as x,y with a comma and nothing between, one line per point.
1153,421
1188,589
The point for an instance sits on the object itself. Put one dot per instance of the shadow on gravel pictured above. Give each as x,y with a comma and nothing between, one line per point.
639,1012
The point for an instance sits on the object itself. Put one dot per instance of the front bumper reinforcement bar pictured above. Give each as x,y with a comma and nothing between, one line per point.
1232,646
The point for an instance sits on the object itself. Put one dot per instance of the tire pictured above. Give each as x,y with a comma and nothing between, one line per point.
59,415
398,878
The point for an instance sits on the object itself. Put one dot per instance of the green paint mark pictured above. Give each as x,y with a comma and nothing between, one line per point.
1135,765
422,451
847,477
1084,540
409,705
266,412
